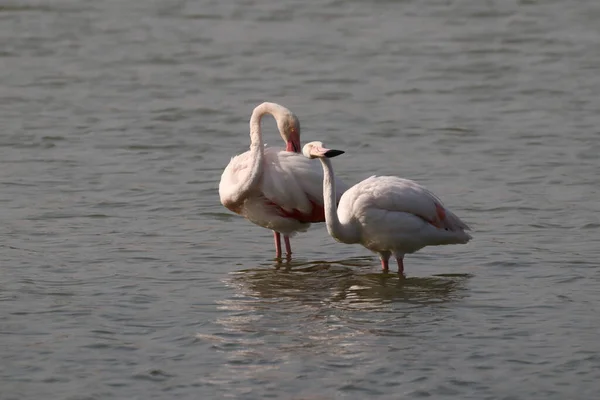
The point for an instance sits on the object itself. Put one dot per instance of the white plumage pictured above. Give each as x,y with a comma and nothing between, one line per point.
278,189
386,214
288,196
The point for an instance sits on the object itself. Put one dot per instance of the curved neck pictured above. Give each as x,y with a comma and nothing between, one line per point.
256,152
257,146
342,232
281,114
256,140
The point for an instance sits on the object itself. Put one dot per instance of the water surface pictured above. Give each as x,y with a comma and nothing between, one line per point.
123,276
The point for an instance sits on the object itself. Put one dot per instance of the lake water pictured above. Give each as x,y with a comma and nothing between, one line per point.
124,277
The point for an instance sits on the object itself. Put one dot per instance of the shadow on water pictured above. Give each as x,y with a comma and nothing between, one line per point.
344,284
322,308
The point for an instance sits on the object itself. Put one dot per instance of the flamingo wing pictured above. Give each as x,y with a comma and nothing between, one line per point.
237,172
294,183
390,193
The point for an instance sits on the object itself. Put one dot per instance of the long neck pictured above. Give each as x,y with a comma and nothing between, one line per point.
256,153
345,233
280,113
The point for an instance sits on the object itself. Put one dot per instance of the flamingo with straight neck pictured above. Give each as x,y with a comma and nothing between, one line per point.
386,214
275,188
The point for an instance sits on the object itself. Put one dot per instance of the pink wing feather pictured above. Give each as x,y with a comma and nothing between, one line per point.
294,182
391,193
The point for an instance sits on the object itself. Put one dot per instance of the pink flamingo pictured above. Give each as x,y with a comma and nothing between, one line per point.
276,189
386,214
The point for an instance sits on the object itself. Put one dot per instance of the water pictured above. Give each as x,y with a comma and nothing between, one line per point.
123,276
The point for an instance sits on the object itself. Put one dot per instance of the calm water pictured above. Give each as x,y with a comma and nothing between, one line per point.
123,276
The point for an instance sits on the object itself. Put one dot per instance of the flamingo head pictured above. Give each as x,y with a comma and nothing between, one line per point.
317,150
289,127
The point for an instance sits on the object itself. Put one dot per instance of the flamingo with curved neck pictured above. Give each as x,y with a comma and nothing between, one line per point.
276,189
289,129
386,214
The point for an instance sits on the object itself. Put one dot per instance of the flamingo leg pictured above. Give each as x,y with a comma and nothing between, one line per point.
385,261
400,265
277,237
288,246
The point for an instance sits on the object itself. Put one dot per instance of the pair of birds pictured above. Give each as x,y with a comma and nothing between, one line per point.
286,191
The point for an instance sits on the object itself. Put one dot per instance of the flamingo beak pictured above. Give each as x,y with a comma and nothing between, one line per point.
333,153
322,152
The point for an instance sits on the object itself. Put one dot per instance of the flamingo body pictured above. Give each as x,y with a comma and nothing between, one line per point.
288,196
386,214
399,216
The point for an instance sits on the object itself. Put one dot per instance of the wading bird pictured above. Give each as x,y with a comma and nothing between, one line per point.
275,188
386,214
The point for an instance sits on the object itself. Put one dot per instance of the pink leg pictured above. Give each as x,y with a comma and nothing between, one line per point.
277,237
288,247
385,258
400,266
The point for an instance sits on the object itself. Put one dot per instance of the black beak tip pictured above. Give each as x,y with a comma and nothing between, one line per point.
333,153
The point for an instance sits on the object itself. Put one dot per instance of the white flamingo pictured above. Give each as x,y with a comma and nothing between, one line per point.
386,214
276,189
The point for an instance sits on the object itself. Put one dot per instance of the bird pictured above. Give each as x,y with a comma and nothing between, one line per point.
386,214
278,189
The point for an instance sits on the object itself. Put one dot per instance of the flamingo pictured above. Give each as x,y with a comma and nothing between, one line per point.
386,214
278,190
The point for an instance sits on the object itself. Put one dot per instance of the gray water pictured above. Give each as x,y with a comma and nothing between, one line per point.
123,277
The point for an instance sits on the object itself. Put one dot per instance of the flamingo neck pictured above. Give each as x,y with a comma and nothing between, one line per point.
256,140
256,154
280,113
257,146
344,233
